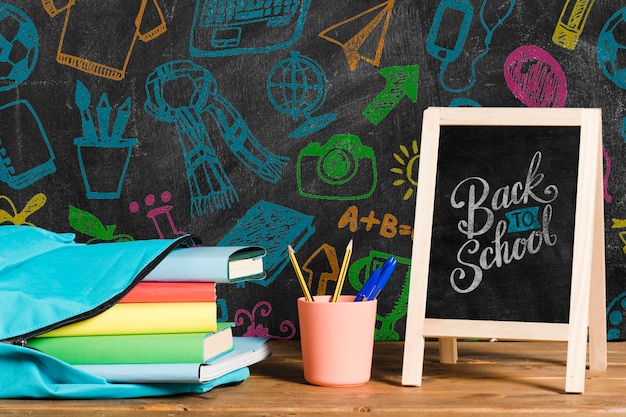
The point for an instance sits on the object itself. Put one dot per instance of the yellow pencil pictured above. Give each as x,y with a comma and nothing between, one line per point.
342,272
296,267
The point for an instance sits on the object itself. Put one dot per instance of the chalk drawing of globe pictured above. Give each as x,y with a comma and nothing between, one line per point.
297,85
19,46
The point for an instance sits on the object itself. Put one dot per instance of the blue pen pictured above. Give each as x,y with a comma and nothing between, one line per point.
368,287
386,271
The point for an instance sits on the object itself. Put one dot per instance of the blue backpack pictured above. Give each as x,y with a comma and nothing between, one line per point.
47,280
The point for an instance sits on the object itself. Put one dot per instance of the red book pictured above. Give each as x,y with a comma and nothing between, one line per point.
171,292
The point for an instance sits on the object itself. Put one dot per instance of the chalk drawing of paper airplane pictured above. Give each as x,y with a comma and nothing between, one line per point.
362,36
236,27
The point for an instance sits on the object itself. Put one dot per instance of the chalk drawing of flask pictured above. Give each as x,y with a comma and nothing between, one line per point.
26,155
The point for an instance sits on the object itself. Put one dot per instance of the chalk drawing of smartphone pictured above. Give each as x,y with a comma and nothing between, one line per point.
448,32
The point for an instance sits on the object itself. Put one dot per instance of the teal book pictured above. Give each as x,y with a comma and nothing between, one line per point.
274,227
247,351
220,264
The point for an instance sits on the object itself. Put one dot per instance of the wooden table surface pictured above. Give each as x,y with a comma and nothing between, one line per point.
491,378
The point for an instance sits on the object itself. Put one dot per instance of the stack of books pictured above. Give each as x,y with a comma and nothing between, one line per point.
165,329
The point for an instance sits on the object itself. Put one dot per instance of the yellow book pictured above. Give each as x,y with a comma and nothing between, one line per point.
145,318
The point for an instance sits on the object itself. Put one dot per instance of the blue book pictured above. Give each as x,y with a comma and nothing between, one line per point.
221,264
247,351
273,227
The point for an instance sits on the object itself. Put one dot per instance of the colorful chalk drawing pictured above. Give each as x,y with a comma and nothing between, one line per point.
210,187
607,172
320,268
88,224
104,149
273,227
222,310
535,77
408,158
354,44
19,48
26,154
387,225
446,20
325,257
401,82
615,314
463,102
26,159
236,27
161,216
453,10
19,218
571,23
341,169
620,224
297,86
87,44
610,50
390,309
264,309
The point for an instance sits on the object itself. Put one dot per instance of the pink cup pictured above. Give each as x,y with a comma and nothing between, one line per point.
337,340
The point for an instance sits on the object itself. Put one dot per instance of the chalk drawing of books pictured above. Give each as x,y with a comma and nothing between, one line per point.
273,227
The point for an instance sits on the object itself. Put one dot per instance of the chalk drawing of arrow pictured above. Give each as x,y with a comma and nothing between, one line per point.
401,81
325,257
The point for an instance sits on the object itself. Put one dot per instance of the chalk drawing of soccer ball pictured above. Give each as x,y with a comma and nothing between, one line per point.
19,46
611,53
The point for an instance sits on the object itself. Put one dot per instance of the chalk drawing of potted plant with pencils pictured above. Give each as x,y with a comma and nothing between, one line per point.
103,154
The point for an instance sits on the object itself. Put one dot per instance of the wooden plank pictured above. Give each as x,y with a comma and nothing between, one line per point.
418,281
490,379
597,302
448,351
501,116
483,329
584,239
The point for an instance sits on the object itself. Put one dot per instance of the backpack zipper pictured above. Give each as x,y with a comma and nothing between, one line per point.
21,340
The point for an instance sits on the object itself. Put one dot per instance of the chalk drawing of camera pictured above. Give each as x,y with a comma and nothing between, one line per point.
341,169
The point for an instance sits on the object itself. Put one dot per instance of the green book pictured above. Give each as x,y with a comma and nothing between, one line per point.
138,349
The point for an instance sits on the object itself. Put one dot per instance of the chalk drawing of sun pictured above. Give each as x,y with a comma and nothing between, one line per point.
407,158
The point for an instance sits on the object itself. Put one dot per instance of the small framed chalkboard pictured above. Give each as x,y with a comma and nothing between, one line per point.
509,239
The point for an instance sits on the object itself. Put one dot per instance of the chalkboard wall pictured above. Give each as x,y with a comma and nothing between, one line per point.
293,124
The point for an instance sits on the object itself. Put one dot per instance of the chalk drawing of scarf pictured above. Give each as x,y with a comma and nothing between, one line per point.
209,185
